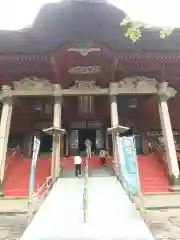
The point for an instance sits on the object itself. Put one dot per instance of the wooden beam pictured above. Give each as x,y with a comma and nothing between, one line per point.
28,93
75,92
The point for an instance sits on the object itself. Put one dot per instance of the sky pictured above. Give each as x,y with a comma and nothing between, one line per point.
17,14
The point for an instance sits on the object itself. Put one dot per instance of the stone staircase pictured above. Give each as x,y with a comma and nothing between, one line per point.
161,201
99,171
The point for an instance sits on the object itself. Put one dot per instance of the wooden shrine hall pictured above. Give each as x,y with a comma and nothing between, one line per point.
74,70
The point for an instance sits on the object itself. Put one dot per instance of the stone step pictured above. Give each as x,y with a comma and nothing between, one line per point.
159,201
92,172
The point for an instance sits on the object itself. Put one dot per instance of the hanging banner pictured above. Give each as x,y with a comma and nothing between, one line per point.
36,146
129,166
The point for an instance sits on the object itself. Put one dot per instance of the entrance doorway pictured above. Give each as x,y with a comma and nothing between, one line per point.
83,135
46,143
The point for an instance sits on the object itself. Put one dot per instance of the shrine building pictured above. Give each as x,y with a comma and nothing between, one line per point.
74,71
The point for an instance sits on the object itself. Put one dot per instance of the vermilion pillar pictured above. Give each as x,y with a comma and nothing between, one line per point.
114,123
4,132
56,148
166,92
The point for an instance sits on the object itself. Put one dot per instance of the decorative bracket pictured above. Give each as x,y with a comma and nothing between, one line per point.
165,92
6,93
54,131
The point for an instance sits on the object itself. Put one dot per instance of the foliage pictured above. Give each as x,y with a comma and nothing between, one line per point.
134,30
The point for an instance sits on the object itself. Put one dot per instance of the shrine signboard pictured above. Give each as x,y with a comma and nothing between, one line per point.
129,166
36,147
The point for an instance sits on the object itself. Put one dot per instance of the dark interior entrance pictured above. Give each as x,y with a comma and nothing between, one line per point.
83,135
46,143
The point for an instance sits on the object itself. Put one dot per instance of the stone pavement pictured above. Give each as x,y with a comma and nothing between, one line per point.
12,226
13,218
164,224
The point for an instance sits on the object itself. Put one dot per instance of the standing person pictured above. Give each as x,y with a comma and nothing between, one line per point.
103,155
19,150
77,164
88,145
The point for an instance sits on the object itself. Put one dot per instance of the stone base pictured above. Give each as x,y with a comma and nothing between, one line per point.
1,190
175,187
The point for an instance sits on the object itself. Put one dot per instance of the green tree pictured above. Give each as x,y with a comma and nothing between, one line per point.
134,30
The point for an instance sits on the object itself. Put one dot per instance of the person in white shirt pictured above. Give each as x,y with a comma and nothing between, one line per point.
77,164
88,145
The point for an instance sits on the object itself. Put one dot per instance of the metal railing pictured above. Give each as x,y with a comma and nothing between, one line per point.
137,199
38,197
85,192
10,154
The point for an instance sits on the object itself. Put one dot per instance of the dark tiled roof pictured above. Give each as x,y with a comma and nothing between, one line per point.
68,21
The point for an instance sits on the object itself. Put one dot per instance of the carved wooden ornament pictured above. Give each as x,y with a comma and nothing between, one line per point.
32,83
134,85
165,91
138,83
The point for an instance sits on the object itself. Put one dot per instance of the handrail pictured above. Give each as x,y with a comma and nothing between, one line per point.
116,168
139,207
85,192
37,196
12,151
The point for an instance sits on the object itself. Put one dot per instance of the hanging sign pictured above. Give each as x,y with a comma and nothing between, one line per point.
36,147
129,166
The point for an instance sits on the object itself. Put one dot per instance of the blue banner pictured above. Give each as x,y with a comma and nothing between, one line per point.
129,166
36,147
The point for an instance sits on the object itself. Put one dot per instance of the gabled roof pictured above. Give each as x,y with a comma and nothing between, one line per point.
73,21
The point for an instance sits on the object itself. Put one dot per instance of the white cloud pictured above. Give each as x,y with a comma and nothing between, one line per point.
16,14
154,12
